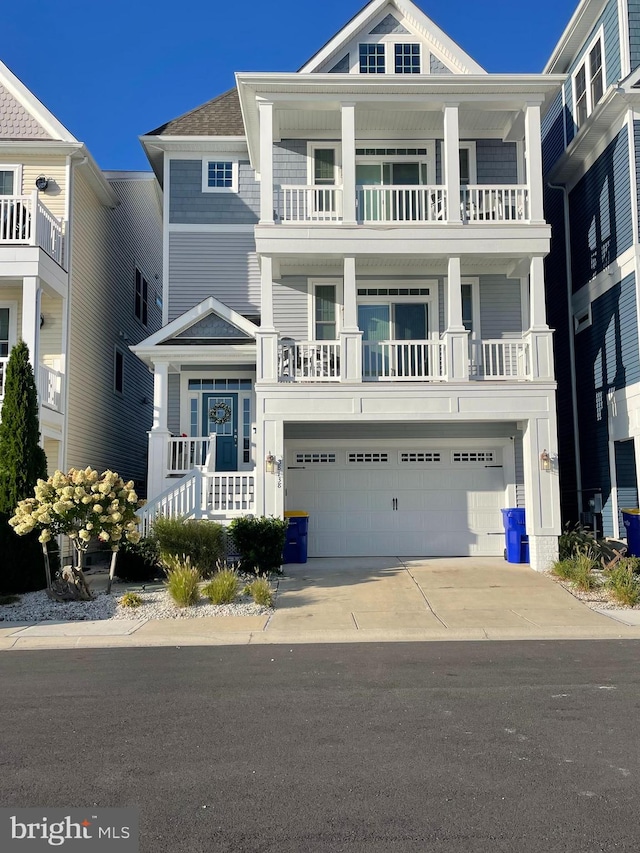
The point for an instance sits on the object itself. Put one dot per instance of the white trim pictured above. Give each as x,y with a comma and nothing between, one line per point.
12,305
432,300
166,215
16,168
220,229
337,167
613,479
625,46
429,159
582,319
633,176
222,158
470,146
581,168
618,269
476,330
312,283
584,63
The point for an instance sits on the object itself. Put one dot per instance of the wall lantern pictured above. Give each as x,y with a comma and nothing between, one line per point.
270,464
545,461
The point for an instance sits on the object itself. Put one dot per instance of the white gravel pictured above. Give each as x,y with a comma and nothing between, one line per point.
597,599
156,604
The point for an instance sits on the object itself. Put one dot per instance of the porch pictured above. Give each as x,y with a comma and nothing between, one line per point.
25,221
49,382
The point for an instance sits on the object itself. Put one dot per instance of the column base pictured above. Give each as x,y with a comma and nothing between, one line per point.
543,551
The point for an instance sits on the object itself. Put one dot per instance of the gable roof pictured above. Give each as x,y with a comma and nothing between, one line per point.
23,116
220,116
442,45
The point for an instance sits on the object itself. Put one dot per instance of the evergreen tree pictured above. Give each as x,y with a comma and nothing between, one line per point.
22,462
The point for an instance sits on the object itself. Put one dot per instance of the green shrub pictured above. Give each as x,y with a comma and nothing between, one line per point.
131,599
259,542
623,583
182,580
584,577
576,539
261,592
22,561
201,541
138,562
564,569
223,587
9,599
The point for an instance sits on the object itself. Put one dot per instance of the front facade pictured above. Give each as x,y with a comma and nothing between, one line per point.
354,299
591,148
77,247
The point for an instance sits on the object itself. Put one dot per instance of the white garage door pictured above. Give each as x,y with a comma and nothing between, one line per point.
436,500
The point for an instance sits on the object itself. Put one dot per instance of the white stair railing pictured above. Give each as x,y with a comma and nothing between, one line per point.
182,498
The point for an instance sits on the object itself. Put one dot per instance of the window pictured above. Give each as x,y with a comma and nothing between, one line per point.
4,332
325,312
407,58
324,166
7,182
118,371
588,82
372,59
141,298
220,176
467,163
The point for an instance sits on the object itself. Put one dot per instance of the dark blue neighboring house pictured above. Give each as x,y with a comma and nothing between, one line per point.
591,147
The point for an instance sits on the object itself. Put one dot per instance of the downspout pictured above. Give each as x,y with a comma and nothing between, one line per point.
572,346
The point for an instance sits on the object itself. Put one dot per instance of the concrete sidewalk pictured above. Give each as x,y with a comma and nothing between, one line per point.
367,600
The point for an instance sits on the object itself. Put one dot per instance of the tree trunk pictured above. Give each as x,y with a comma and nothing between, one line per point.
112,571
47,565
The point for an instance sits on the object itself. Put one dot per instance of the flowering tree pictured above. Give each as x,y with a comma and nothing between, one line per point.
82,505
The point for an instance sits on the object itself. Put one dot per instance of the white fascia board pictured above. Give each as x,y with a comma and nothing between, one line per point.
174,143
34,107
179,354
210,305
575,33
82,159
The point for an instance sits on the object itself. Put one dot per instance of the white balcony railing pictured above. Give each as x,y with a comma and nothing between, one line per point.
403,361
311,204
308,361
50,387
486,203
228,493
500,359
401,204
24,220
184,454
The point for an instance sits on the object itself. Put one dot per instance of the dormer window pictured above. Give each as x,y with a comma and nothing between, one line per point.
407,58
372,59
588,82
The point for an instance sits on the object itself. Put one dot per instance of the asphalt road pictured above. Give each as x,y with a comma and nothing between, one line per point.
459,747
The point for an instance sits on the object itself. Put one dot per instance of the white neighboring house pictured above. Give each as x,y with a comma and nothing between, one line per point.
80,267
354,302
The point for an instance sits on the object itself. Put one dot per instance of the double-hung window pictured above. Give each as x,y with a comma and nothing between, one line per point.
141,298
588,82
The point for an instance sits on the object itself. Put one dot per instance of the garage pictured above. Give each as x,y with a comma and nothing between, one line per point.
401,498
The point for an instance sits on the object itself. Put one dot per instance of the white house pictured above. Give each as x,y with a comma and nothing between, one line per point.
354,299
80,267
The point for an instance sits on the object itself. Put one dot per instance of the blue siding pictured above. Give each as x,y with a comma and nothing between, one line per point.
634,33
607,360
190,206
608,18
626,478
552,133
600,212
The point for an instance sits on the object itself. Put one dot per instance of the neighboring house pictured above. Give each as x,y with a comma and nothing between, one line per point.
80,279
354,299
591,152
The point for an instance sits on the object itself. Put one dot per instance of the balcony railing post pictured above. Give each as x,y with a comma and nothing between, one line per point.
32,218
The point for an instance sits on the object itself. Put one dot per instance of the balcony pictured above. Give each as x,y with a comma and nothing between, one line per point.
50,385
402,205
25,221
402,361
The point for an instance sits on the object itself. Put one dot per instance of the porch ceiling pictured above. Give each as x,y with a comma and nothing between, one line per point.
402,265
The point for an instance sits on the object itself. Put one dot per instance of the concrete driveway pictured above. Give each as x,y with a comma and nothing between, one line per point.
448,598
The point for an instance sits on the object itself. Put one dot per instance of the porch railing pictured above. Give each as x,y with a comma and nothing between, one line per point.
184,454
24,220
311,204
308,361
401,203
403,361
505,203
50,387
500,359
228,493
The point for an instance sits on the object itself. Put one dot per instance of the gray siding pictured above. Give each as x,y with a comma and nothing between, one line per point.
409,429
600,213
290,162
608,18
211,264
290,307
342,66
634,32
437,67
500,308
188,205
173,409
496,162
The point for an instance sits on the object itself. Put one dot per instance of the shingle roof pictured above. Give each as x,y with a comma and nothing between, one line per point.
218,117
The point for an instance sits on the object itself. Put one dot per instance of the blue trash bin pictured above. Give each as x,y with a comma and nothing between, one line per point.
515,534
295,548
631,520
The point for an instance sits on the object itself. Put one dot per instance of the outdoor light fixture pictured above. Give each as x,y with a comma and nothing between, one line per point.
270,464
545,461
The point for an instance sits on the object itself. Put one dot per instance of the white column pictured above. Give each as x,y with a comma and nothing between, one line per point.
539,337
265,109
542,490
159,435
267,336
348,118
533,157
456,336
30,332
350,334
452,161
273,484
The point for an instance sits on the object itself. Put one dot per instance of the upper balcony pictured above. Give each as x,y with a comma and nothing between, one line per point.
25,221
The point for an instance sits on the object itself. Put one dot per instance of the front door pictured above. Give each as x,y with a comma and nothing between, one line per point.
220,418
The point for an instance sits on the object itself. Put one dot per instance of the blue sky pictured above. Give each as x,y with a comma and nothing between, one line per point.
112,71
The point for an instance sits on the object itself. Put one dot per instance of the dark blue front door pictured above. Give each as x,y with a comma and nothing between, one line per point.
220,418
